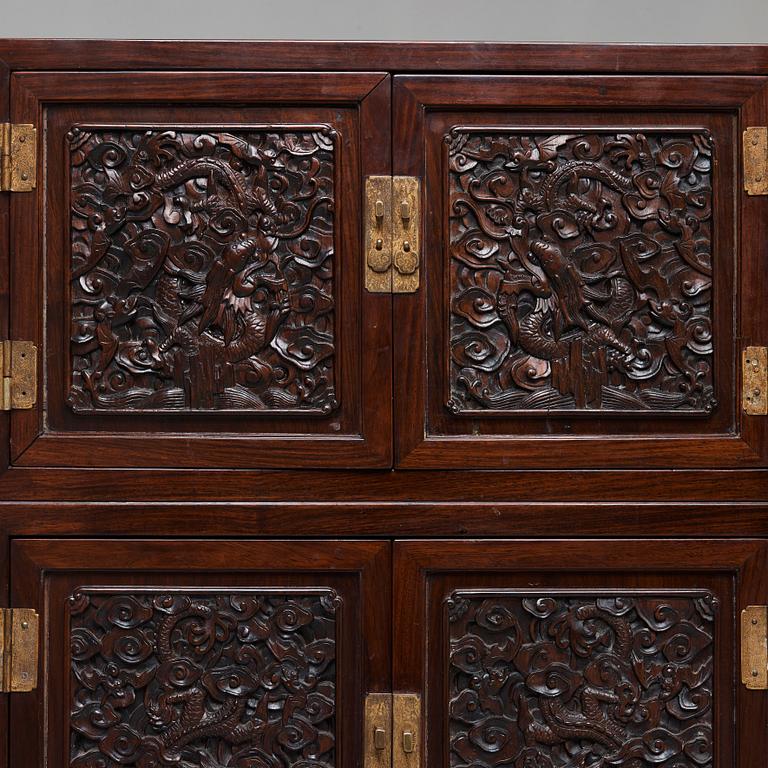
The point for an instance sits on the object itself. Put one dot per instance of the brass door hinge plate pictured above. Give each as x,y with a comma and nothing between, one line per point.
392,234
755,149
19,644
754,647
18,360
18,157
378,730
406,730
754,381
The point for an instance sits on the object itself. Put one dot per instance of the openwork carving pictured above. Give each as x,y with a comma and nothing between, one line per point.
554,681
581,271
245,680
202,269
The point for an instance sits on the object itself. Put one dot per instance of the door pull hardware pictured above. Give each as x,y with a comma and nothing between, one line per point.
406,725
754,381
392,234
754,647
19,646
378,730
19,367
18,157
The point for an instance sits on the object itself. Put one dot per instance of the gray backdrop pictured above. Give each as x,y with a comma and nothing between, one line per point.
685,21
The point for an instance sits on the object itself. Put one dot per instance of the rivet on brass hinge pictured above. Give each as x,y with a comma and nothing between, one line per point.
754,647
18,157
406,727
754,381
378,730
19,644
392,234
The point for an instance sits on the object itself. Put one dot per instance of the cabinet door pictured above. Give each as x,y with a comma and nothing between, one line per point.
249,654
589,277
190,268
550,654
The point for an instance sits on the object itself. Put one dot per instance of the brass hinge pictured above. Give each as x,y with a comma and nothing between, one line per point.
19,366
18,157
393,730
754,647
754,381
19,643
392,234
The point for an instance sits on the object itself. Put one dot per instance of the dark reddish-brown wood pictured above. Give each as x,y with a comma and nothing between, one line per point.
157,318
498,635
610,59
101,501
459,409
138,634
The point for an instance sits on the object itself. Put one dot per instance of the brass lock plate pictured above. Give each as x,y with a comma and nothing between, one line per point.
392,234
378,234
406,221
406,726
378,730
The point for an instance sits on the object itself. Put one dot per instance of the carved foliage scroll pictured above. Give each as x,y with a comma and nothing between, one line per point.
580,271
245,680
555,681
202,269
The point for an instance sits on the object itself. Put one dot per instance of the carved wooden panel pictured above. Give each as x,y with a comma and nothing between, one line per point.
246,679
580,271
202,269
552,680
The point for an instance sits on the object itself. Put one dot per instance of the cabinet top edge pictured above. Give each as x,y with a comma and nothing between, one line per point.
391,56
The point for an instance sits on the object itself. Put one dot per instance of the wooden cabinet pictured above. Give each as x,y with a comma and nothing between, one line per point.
395,405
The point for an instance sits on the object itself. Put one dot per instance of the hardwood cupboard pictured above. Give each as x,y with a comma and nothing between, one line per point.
396,405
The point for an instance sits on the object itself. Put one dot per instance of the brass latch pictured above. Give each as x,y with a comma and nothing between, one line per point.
393,730
754,647
754,381
19,643
18,157
392,234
